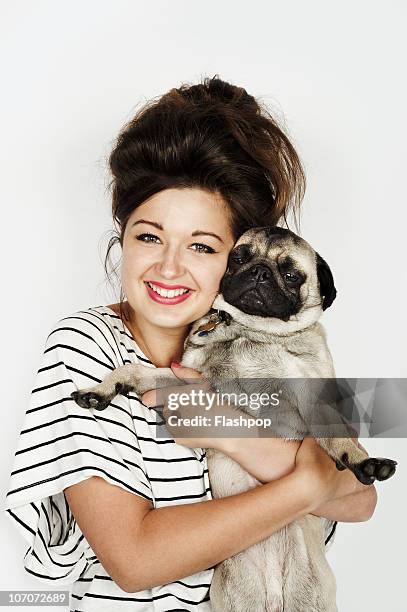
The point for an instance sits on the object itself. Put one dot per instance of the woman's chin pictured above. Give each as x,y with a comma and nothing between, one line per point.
166,322
173,319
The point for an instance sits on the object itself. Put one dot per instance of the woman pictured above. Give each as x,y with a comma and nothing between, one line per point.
126,517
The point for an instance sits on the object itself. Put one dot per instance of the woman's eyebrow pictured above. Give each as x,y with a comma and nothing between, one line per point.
157,225
200,233
160,227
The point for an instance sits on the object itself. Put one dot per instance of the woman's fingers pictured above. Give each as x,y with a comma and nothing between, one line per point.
156,397
194,437
184,373
190,375
149,398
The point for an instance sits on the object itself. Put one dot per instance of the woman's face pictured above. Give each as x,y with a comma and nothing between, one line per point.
178,238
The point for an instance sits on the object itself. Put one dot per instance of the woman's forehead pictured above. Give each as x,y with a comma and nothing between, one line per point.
185,208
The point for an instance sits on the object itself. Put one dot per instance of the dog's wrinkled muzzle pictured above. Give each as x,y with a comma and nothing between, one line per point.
255,291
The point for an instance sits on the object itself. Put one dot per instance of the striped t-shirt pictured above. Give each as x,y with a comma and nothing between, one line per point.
62,444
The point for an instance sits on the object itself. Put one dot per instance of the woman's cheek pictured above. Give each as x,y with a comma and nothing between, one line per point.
219,275
212,285
136,262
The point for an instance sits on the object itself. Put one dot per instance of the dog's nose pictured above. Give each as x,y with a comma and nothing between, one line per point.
260,273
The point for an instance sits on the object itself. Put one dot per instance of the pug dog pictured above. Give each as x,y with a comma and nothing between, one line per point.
264,325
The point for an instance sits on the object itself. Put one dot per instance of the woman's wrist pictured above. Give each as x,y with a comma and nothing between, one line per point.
304,495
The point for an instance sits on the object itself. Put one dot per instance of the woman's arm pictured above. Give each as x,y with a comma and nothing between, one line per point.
141,547
265,458
270,458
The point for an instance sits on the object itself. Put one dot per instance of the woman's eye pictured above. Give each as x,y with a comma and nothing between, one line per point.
142,237
201,248
204,248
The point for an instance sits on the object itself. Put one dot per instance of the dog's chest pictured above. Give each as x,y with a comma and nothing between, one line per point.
259,359
242,358
236,358
226,476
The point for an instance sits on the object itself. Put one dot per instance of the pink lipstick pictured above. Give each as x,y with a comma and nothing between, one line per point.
167,300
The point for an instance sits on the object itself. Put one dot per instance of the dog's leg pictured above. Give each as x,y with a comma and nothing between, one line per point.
308,581
347,454
317,404
238,584
129,377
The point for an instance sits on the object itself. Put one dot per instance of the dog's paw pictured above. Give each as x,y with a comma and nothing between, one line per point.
339,465
89,399
383,468
122,389
371,469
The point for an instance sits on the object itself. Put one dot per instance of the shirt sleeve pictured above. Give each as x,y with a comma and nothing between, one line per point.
330,531
61,444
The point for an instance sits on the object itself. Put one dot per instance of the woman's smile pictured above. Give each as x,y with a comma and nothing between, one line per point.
158,293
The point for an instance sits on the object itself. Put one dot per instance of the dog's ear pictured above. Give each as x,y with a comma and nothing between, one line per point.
326,282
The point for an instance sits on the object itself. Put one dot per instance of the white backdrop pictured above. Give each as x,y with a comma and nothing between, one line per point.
334,72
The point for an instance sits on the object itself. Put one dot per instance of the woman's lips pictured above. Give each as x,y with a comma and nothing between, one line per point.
164,286
166,300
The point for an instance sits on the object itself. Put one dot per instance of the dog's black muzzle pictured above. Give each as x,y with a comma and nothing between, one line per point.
256,291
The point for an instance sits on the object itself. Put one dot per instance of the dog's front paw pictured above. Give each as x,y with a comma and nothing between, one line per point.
371,469
382,468
90,399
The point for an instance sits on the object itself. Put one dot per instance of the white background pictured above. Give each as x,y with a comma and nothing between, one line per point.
333,72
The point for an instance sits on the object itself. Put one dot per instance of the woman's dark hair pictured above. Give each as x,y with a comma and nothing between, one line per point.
212,136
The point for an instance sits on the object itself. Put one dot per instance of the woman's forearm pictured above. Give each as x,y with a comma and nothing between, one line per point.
211,531
270,458
140,546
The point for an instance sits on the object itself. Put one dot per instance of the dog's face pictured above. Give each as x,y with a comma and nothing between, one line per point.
272,272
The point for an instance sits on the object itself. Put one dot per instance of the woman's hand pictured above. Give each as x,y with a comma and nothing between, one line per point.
319,474
201,435
192,423
354,506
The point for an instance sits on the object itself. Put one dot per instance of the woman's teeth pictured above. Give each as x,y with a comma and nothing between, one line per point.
167,292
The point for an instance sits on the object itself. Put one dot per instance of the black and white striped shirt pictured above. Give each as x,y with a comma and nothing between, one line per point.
62,444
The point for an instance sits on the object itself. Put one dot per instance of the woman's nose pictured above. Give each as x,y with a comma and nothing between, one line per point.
170,264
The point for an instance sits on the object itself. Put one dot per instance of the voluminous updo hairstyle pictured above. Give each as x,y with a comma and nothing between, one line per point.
212,136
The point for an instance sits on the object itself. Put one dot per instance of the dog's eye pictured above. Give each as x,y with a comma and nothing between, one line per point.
240,255
291,277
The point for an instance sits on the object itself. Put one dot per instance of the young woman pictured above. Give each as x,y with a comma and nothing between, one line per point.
105,505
